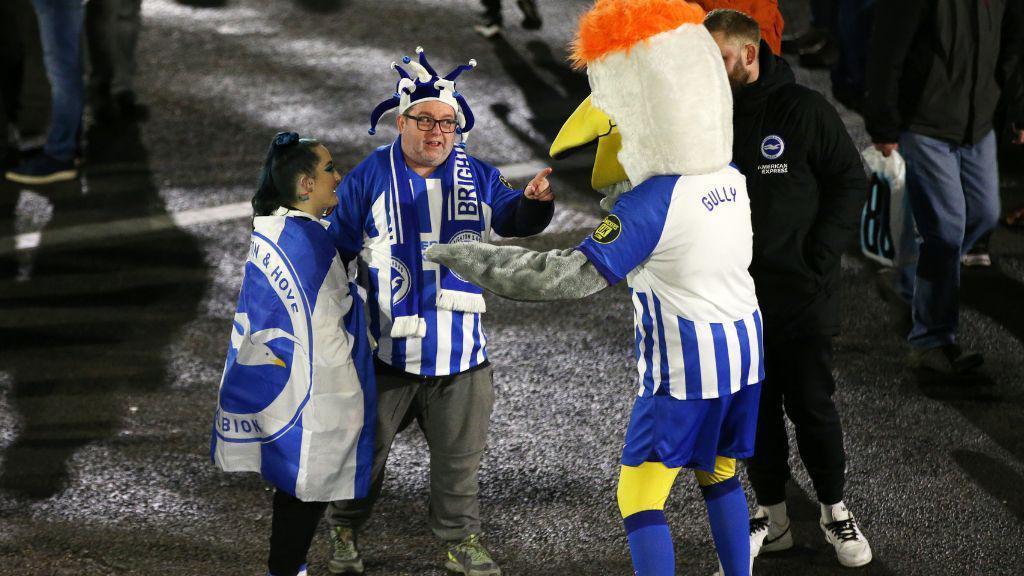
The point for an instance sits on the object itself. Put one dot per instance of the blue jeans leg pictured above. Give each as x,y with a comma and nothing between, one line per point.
979,176
60,31
953,192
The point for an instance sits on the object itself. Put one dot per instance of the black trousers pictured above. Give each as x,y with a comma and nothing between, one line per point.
798,384
291,532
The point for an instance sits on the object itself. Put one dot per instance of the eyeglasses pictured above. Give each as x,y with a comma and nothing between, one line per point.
426,123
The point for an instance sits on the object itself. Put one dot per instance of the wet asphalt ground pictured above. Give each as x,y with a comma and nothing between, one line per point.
116,308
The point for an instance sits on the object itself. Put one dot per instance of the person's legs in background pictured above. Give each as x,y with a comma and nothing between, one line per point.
112,29
854,32
492,19
799,378
768,469
939,205
33,119
816,46
60,29
979,175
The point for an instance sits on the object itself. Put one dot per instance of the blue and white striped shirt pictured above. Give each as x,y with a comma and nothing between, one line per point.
684,244
455,341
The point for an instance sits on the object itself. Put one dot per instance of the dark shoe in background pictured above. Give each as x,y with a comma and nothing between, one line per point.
41,168
531,16
812,40
816,48
826,57
949,359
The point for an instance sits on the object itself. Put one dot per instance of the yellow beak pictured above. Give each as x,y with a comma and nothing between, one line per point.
587,124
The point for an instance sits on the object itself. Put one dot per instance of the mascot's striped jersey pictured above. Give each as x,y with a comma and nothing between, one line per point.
297,400
684,245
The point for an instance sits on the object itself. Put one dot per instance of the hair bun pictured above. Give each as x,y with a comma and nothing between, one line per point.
285,138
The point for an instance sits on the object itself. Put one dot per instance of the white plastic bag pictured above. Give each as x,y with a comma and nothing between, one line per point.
885,222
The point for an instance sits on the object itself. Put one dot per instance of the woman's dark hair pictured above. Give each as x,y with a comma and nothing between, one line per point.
288,157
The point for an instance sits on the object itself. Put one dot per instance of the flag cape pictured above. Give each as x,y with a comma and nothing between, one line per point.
297,400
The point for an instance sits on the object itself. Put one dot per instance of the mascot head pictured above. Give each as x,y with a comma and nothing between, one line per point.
657,83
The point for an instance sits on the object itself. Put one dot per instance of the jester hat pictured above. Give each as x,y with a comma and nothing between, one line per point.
424,85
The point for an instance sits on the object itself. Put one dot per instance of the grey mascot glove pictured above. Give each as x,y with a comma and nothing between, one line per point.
520,274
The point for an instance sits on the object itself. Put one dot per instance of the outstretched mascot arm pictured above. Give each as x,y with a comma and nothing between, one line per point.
521,274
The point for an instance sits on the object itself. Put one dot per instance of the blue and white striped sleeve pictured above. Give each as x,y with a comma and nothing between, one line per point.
629,235
349,217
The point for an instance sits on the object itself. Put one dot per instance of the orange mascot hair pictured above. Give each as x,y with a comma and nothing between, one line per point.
614,25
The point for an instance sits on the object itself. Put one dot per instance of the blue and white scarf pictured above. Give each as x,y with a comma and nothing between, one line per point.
462,221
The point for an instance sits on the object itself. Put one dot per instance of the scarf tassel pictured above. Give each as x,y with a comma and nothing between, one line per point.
461,301
409,327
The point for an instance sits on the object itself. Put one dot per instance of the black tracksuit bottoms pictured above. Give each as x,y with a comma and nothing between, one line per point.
291,532
799,384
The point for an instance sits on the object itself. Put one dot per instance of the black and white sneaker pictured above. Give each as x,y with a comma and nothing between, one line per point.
776,538
842,532
758,532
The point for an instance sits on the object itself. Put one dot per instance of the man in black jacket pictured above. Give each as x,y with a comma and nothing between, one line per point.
935,71
806,186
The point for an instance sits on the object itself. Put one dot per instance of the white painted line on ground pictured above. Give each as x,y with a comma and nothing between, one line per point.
565,219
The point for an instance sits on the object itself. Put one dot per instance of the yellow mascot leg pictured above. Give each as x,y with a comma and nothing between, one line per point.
725,468
641,494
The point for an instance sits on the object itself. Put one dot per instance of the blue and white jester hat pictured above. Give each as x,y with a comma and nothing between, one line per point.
426,85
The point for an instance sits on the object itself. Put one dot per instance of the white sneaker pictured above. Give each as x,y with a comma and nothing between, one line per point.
776,538
842,532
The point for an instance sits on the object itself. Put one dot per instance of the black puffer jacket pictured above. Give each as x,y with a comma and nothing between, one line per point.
936,67
806,186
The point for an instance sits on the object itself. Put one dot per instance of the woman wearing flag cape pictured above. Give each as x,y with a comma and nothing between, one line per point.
297,400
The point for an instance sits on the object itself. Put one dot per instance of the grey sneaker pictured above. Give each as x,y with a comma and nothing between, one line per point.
469,557
345,557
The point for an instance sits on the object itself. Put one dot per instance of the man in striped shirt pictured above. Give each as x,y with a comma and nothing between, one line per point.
431,357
